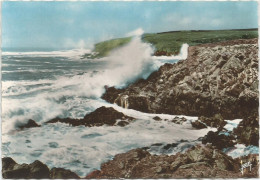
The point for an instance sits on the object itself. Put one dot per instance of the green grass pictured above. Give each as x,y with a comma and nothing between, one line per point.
169,43
104,48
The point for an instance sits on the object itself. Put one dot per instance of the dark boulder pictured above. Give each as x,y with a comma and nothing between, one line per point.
178,120
157,118
30,124
216,121
247,130
198,125
111,94
35,170
220,141
60,173
104,115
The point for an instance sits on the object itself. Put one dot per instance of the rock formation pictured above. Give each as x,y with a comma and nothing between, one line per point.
219,78
35,170
101,116
30,124
198,162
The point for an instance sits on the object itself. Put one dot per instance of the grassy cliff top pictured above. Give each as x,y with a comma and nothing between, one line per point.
169,43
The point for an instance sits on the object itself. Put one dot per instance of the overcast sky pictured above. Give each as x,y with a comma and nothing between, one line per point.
64,25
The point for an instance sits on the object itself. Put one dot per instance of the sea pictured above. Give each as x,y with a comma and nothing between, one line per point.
44,85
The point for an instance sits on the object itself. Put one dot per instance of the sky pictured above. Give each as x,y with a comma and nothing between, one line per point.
70,25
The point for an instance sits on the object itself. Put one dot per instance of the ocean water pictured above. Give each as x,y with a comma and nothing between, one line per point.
45,85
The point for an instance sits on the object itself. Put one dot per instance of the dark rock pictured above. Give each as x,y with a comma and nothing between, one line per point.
140,103
157,118
12,170
178,120
30,124
247,130
104,115
35,170
111,94
39,170
7,163
220,141
101,116
122,123
198,125
216,121
60,173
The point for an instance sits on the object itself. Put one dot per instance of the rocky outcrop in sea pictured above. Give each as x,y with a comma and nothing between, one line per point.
101,116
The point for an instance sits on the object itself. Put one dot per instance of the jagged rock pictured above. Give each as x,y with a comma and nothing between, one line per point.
219,78
178,120
198,125
8,163
39,170
30,124
157,118
220,141
35,170
140,103
216,121
111,94
101,116
247,130
60,173
199,161
12,170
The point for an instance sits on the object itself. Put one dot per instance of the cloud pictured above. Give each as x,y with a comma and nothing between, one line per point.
137,32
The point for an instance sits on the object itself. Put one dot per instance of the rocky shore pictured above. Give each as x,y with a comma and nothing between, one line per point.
198,162
215,78
35,170
216,82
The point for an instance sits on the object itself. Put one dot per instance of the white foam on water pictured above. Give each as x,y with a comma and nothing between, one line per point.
241,150
231,124
64,53
83,149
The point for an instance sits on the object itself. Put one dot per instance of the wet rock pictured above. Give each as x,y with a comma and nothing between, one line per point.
104,115
220,141
30,124
178,120
198,161
7,163
12,170
157,118
38,170
248,130
101,116
35,170
60,173
198,125
111,94
140,103
219,78
216,121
